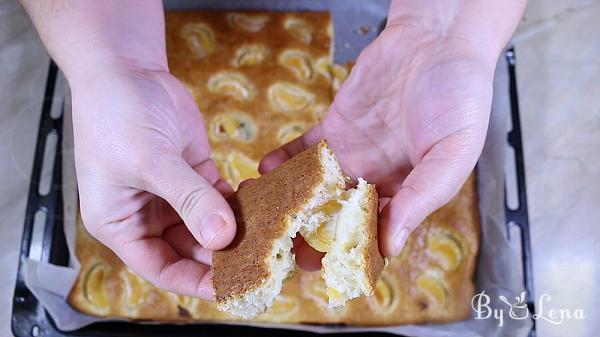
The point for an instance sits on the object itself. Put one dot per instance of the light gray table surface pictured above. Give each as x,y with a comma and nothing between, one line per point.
558,71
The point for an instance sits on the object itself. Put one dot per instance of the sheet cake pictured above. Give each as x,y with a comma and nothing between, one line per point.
261,79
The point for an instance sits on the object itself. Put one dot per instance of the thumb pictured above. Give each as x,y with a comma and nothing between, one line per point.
430,185
202,208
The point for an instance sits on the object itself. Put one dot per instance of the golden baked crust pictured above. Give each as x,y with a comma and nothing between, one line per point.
373,259
432,279
262,207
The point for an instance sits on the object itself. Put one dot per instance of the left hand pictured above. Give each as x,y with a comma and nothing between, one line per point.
148,188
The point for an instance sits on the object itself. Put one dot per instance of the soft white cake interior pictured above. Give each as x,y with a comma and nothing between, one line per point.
256,302
344,265
332,186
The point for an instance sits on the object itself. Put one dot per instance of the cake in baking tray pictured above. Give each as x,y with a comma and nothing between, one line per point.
261,79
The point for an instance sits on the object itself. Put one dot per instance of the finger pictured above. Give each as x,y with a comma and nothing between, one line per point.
184,244
287,151
224,188
197,147
307,257
296,242
208,170
156,261
150,220
245,182
203,209
384,201
156,215
162,214
430,185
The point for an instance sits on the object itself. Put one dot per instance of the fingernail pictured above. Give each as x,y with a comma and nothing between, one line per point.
211,226
400,240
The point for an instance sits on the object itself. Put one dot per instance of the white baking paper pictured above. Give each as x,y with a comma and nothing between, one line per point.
499,266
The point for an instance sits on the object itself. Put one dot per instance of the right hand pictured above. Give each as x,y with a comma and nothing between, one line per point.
412,116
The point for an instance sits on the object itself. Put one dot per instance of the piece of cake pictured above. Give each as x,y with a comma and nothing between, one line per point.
270,210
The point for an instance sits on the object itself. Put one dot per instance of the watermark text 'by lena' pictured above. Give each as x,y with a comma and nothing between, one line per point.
519,310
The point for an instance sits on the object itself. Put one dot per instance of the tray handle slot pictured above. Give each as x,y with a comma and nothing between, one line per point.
45,194
48,163
518,216
39,223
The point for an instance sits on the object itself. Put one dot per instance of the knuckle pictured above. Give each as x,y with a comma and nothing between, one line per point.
171,275
164,277
90,222
191,200
424,204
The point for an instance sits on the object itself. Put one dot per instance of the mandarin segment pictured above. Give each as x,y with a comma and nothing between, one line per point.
289,132
94,287
289,98
232,84
135,291
250,23
299,29
199,38
334,297
432,284
322,237
384,297
315,289
330,207
323,67
233,125
250,55
383,294
339,75
221,161
239,168
298,62
445,249
186,301
333,72
283,306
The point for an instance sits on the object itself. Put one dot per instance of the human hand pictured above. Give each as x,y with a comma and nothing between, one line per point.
148,189
411,118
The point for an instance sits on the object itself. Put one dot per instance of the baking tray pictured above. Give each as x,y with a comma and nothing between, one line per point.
29,318
45,240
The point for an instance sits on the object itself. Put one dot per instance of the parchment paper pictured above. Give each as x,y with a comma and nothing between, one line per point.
499,265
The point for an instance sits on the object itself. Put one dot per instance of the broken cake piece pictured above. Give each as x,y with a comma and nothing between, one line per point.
306,194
